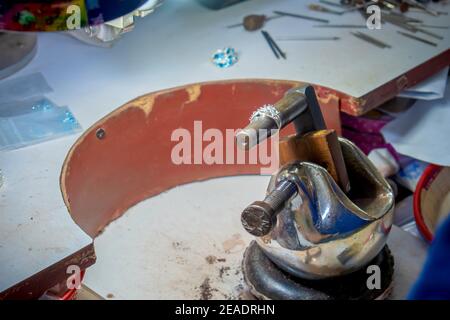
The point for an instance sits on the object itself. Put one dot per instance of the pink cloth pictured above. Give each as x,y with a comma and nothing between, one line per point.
365,132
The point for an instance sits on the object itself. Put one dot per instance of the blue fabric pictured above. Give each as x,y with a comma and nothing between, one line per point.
434,280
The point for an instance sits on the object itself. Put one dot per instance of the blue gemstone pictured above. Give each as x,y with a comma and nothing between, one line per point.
225,57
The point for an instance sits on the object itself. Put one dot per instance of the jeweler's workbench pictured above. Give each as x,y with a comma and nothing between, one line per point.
37,231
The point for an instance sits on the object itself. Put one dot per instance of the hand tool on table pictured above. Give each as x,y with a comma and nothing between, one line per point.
346,8
349,26
419,10
370,40
300,16
402,17
273,45
422,7
432,26
319,8
411,36
401,22
334,4
254,22
326,215
307,38
386,4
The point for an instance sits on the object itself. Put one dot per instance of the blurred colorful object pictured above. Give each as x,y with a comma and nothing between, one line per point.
432,199
410,172
365,131
47,15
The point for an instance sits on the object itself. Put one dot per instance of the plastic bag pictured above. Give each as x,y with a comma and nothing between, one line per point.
32,121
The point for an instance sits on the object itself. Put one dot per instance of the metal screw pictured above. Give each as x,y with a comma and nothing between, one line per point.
259,218
100,133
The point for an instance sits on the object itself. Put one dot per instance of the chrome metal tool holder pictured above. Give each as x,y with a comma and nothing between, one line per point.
307,227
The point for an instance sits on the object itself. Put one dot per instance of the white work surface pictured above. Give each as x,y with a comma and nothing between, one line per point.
169,48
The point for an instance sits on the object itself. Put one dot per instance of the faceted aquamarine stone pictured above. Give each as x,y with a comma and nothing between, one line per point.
225,57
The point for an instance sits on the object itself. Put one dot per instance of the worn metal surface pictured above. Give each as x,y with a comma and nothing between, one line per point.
16,51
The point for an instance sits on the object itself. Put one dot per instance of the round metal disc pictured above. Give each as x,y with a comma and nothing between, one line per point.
16,51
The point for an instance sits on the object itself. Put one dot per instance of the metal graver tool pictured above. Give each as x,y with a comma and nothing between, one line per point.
387,4
273,45
346,8
306,38
411,36
400,22
319,8
432,26
334,4
422,7
401,17
349,26
432,34
300,16
370,40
